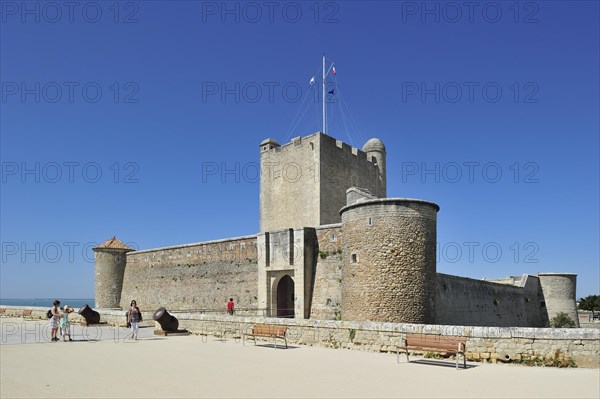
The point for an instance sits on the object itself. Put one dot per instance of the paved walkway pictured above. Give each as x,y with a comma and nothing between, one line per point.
103,364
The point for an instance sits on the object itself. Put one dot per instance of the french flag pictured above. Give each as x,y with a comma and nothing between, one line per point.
333,71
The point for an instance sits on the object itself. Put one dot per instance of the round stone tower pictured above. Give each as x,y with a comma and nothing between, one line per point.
559,290
375,150
109,268
389,254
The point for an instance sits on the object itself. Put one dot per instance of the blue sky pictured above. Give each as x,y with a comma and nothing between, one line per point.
111,111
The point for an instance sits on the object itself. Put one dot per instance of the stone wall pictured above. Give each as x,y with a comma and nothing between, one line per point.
586,319
470,302
37,313
327,292
195,276
304,183
484,344
342,167
389,256
289,185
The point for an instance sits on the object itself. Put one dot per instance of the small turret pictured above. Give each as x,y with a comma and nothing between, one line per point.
375,150
268,144
109,267
559,294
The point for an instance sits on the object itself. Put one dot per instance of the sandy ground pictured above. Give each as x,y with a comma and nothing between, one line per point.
101,363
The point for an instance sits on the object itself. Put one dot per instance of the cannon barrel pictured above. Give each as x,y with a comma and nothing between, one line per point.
89,314
167,322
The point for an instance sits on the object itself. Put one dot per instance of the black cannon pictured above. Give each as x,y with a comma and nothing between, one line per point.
89,314
167,322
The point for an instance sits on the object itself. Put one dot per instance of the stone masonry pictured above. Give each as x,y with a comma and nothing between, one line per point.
389,261
304,183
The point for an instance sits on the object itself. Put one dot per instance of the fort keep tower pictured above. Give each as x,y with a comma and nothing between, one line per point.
304,182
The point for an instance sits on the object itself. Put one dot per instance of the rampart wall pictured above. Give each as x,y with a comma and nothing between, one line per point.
470,302
194,276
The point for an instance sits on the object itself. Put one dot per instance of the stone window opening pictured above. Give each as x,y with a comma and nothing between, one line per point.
353,258
369,221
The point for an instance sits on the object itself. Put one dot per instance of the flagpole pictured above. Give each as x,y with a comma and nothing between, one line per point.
323,97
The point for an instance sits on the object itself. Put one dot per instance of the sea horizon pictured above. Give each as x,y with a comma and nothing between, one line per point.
74,302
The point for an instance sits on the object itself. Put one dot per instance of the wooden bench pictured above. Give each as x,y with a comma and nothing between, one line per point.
264,330
27,313
434,343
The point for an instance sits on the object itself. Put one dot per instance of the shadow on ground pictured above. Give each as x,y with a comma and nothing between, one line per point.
439,363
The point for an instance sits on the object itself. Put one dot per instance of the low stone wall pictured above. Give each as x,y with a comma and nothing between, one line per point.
36,313
486,344
595,324
112,317
586,319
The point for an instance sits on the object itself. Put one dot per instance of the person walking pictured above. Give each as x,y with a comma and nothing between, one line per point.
56,314
134,317
230,306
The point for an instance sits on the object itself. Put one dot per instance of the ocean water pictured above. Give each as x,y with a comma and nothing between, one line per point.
47,302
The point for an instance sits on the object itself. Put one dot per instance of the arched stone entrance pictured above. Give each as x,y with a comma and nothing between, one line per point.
285,283
285,297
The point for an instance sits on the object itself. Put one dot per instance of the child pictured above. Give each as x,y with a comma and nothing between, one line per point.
63,323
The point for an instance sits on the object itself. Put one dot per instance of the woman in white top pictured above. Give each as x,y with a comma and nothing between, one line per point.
54,320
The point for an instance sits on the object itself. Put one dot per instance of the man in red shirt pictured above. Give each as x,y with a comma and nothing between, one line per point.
230,305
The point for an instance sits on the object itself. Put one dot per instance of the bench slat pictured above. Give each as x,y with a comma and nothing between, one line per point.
268,330
439,347
435,338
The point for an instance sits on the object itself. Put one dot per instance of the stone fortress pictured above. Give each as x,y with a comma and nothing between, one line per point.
331,246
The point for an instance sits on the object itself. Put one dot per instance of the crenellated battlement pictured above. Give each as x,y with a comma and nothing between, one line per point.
325,140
